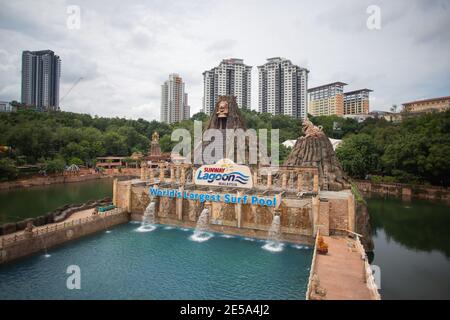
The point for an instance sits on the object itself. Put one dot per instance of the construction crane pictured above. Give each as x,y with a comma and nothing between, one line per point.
68,91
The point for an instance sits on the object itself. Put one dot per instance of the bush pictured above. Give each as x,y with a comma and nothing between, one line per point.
75,161
8,170
55,166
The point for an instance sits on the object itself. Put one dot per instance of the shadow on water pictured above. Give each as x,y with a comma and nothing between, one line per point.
417,224
412,247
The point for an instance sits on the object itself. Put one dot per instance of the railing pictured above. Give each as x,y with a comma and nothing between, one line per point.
348,231
368,274
313,266
8,240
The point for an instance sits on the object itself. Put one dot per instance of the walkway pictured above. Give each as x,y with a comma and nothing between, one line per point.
341,271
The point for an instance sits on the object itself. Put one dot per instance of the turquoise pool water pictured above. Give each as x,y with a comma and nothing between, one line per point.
162,264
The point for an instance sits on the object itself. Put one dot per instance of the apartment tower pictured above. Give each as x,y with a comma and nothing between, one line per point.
283,88
41,73
231,77
174,101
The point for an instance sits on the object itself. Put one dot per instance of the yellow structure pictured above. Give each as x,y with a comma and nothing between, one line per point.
428,105
357,102
327,100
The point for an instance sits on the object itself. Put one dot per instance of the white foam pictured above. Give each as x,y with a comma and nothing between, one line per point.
47,255
273,246
201,236
249,239
227,236
168,228
135,222
184,229
146,228
108,231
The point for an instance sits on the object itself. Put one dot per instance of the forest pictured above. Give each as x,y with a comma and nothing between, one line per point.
415,151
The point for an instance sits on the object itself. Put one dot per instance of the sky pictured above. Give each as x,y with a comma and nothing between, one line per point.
125,50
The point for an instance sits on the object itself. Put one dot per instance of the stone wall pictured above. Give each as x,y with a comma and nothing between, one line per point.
41,180
405,191
299,217
27,246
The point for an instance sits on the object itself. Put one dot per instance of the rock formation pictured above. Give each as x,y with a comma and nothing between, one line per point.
226,115
316,150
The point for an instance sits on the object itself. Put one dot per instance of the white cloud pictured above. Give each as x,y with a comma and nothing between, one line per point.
125,50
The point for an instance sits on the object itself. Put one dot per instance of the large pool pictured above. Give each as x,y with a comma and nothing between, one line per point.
162,264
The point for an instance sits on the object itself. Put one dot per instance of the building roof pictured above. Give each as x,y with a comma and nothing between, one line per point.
358,91
328,85
426,100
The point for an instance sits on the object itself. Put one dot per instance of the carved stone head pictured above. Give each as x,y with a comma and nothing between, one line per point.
222,109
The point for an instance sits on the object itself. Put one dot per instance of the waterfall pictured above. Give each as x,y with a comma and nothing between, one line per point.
200,232
148,220
275,230
149,214
274,236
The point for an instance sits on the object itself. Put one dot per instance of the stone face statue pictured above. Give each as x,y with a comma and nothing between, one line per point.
311,130
222,109
155,136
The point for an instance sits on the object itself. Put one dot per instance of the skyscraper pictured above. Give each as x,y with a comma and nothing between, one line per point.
283,88
231,77
357,102
174,106
41,72
327,100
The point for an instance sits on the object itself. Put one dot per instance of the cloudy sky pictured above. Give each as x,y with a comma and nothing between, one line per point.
124,50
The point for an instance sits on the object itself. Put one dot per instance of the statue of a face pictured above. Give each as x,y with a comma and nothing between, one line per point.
222,110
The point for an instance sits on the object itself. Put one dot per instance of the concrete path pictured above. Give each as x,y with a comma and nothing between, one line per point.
341,271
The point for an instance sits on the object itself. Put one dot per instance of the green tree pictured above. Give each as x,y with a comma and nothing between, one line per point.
8,170
358,155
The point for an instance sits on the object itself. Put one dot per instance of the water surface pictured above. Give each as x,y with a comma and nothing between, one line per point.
19,204
412,247
162,264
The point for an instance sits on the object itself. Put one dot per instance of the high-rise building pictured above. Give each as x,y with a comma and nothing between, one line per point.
41,72
231,77
283,88
187,108
174,105
357,102
327,100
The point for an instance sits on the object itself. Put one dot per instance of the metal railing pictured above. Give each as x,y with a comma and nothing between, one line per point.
8,240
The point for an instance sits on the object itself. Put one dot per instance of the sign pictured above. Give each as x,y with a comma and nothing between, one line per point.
225,173
227,198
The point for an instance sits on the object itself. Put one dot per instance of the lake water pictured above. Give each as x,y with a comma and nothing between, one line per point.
412,247
162,264
19,204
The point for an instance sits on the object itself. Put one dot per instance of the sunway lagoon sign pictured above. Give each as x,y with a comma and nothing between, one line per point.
225,173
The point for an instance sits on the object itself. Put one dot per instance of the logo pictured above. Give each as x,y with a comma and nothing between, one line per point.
225,173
